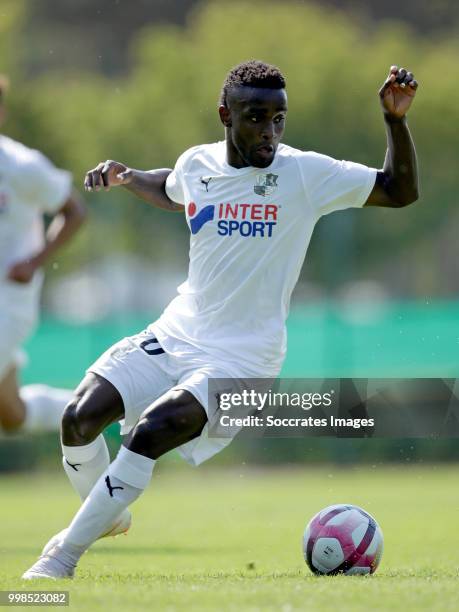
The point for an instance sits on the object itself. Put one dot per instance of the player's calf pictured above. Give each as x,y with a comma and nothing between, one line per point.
95,405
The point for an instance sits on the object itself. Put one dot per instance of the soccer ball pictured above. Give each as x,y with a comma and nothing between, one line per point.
343,539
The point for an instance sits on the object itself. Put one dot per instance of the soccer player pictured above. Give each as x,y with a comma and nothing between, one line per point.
251,204
30,186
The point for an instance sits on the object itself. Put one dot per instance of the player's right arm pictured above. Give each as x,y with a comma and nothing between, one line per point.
149,186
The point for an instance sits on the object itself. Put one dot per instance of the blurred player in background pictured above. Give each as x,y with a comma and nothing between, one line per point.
30,186
251,204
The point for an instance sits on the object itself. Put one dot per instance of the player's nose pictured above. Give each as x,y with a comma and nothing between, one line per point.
267,132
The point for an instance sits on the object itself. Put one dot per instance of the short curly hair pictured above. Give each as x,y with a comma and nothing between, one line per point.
253,73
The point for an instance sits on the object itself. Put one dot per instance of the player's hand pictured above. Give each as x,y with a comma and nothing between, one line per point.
397,93
107,174
22,271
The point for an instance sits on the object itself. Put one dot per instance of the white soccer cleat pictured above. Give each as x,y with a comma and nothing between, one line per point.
121,525
51,566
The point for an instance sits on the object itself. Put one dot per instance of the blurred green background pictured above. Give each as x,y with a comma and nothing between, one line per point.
139,82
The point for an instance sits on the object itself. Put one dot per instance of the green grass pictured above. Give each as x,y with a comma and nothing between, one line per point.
230,540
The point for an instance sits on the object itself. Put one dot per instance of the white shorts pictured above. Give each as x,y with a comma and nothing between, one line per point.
141,371
19,307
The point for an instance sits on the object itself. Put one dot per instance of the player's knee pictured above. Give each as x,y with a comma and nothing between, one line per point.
96,404
176,419
77,426
69,423
12,408
12,414
179,417
183,415
11,420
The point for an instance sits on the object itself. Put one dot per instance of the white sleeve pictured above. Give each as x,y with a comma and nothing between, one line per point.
335,185
47,187
174,183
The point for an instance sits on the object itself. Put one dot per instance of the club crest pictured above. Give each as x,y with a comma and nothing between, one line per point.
265,184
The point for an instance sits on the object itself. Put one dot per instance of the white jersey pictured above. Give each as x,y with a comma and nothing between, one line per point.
29,186
250,229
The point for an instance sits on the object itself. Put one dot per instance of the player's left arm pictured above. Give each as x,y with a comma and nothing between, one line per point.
66,222
397,183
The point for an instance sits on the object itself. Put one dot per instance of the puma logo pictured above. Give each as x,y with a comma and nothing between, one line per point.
72,465
206,182
109,486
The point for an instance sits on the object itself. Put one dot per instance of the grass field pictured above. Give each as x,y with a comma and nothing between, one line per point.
230,540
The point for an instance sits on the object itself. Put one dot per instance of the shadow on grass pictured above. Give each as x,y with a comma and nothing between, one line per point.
124,550
156,550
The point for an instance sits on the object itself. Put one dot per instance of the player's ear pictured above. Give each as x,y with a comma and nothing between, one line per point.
225,115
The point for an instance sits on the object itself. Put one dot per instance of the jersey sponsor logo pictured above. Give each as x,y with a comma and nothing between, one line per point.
266,184
203,216
247,220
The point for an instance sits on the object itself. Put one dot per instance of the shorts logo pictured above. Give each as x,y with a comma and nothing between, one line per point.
203,216
266,184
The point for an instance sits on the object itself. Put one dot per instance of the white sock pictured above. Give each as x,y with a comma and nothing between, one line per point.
44,407
117,488
84,464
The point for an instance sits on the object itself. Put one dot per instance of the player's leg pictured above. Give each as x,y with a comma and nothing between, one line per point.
12,408
33,407
12,332
121,383
16,322
95,405
172,420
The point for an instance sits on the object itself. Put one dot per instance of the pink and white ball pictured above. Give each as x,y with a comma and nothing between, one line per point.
343,539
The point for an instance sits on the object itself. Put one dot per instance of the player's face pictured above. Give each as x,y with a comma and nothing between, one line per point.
257,124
